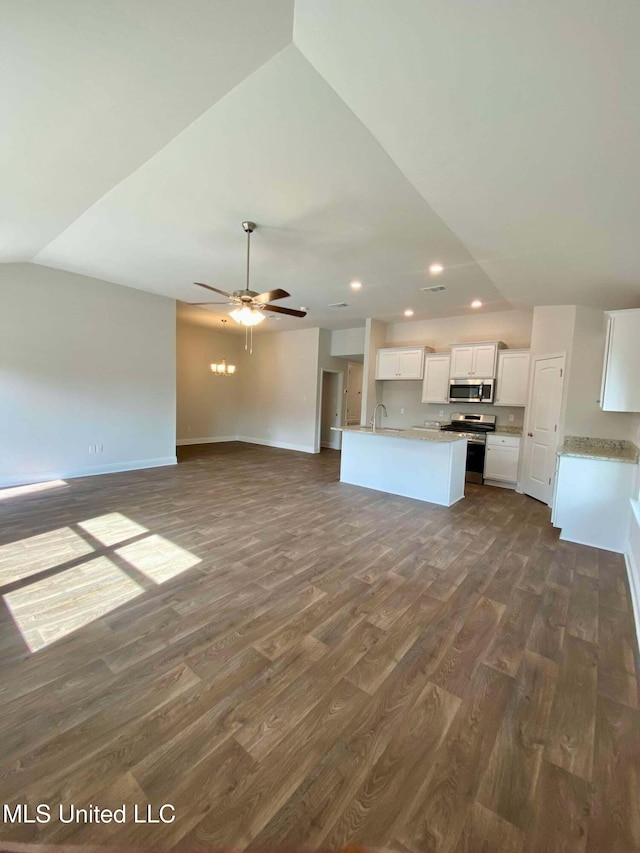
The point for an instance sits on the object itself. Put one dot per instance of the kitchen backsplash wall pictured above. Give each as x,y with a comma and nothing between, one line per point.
397,395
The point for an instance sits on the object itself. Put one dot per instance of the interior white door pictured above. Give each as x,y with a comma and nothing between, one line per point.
541,439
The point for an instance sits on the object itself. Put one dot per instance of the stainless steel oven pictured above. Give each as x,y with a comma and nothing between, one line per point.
471,390
474,428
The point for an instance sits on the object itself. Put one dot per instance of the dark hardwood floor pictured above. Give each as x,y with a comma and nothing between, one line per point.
295,663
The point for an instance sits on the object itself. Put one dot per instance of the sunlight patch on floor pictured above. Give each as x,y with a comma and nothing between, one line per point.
112,528
158,558
37,553
31,488
50,609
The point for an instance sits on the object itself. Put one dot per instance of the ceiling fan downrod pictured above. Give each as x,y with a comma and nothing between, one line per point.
249,228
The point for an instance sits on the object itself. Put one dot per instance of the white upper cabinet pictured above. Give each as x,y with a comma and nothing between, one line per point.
435,385
512,378
400,363
474,360
620,377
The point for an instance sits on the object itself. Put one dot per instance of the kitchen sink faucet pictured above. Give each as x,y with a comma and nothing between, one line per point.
375,413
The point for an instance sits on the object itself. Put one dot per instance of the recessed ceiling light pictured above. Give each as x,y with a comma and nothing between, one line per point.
355,285
408,312
436,269
476,303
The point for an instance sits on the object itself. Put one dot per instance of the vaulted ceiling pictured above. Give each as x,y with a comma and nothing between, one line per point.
367,139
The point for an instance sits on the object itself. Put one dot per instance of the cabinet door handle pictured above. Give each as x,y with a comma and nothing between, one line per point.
530,434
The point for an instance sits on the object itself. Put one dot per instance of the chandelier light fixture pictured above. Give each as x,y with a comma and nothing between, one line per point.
221,368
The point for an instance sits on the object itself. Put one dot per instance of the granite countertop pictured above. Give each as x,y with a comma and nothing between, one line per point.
508,430
600,448
420,434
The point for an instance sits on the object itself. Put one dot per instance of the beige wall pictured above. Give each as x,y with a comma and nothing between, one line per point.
375,337
83,362
280,390
326,361
512,327
580,332
207,405
583,414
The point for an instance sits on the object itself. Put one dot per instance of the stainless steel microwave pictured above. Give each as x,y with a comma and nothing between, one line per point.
471,390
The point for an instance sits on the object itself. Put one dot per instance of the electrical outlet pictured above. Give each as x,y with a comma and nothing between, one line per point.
402,411
441,413
91,448
511,418
99,448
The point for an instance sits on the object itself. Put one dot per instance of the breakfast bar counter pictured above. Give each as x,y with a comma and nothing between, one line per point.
427,465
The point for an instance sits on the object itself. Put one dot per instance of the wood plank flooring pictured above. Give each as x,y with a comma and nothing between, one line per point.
294,663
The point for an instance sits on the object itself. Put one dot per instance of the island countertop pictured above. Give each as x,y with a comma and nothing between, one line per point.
418,434
424,464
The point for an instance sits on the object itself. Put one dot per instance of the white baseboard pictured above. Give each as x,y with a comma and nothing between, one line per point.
91,471
500,484
632,560
181,442
283,445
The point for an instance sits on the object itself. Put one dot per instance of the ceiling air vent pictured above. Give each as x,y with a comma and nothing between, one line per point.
337,305
437,288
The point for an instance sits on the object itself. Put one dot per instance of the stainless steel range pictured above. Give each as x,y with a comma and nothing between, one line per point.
474,428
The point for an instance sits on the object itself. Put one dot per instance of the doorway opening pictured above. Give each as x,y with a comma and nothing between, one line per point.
331,408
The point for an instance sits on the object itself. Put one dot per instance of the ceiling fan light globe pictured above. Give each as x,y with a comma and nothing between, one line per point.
247,316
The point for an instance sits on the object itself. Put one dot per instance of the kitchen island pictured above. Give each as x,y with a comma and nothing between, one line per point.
424,464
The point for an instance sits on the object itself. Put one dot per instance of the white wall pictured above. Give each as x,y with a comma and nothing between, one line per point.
82,362
207,406
280,388
347,343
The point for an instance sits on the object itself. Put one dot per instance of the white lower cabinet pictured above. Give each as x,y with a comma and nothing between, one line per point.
501,459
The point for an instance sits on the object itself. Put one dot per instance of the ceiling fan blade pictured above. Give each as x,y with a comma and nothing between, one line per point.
293,312
215,289
210,303
271,296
